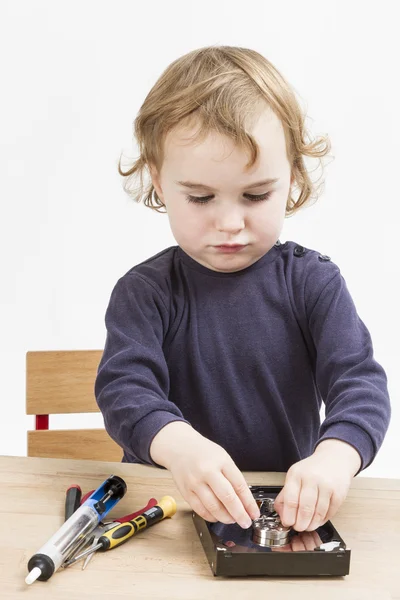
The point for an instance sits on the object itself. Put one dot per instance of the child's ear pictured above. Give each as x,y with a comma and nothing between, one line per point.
156,181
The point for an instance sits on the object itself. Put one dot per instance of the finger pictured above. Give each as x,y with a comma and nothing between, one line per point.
321,509
247,504
308,540
316,538
307,502
226,494
291,493
199,508
213,505
336,501
297,543
278,503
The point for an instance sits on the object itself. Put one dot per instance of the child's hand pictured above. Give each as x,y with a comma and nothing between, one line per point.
206,476
315,487
212,484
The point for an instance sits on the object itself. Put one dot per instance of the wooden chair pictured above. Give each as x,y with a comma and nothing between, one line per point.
60,382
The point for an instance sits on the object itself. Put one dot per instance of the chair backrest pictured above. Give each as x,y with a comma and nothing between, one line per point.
59,382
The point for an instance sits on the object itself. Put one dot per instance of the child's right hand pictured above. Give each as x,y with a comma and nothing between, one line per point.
205,475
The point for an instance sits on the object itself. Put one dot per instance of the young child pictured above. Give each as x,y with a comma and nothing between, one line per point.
220,349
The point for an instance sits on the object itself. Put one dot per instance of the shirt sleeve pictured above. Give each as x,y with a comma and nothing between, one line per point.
132,383
352,384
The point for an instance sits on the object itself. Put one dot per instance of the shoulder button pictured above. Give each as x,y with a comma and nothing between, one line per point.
299,251
324,257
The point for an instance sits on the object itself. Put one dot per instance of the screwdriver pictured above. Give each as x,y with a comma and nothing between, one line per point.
72,500
123,531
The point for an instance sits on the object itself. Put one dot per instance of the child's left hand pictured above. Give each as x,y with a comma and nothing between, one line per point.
315,487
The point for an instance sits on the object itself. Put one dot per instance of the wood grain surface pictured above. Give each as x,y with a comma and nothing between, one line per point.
167,561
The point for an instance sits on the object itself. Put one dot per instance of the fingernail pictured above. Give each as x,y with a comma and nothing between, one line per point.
245,524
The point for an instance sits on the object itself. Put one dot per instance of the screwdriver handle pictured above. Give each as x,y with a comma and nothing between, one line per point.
72,500
122,532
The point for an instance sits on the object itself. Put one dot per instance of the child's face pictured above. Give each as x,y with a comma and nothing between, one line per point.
228,215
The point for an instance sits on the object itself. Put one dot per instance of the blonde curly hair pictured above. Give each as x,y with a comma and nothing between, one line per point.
222,88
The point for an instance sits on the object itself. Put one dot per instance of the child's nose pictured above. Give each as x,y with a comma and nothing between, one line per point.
230,221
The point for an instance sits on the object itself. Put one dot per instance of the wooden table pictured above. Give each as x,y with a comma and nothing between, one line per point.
167,561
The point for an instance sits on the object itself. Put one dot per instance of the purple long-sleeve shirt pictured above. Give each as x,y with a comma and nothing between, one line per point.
246,358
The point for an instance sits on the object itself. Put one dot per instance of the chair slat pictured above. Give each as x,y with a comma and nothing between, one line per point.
80,444
60,382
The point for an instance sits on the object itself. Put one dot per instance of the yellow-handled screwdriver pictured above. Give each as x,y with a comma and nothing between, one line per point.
123,531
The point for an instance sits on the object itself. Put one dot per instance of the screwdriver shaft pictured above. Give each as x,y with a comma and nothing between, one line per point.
82,555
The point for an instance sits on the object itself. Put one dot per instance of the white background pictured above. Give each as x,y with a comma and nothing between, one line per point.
73,76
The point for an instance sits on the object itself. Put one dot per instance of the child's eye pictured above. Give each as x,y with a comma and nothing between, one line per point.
198,199
258,198
205,199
